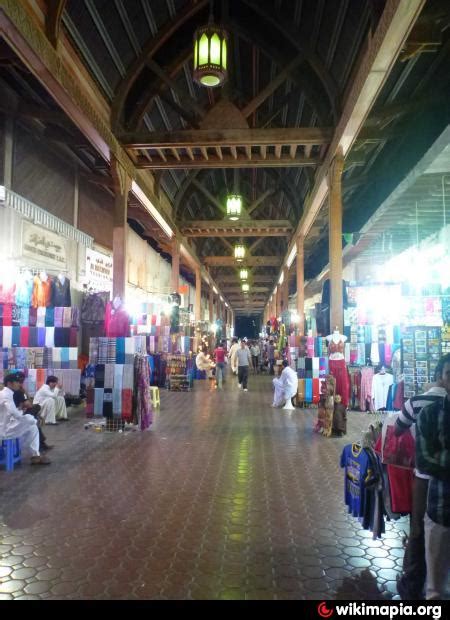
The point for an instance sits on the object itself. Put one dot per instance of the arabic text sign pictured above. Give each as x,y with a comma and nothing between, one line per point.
99,269
43,245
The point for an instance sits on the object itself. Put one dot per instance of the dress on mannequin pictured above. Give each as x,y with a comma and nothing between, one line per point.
336,347
42,287
118,325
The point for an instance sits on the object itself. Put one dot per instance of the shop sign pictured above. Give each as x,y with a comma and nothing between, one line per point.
99,269
43,245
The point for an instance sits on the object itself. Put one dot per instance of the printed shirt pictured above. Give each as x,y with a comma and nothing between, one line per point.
356,463
433,458
219,355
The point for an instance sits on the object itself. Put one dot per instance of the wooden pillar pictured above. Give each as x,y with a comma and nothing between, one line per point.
285,290
122,185
278,302
335,242
300,272
8,149
198,295
175,279
211,305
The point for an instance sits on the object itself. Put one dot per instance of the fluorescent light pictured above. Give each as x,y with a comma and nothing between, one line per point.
281,280
2,193
215,290
226,305
292,255
221,298
150,207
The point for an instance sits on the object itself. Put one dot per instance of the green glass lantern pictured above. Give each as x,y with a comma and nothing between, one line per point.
239,253
243,274
210,55
234,207
245,287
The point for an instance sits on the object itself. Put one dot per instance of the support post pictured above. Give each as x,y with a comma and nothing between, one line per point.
285,290
8,152
335,242
300,271
175,279
122,185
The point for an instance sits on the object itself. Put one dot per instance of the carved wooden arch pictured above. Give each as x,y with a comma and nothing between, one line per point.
149,51
53,18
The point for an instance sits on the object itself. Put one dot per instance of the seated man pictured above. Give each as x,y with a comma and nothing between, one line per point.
51,399
16,425
24,404
285,387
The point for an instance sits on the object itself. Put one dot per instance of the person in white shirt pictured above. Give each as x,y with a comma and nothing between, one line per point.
255,351
285,387
16,425
232,355
51,400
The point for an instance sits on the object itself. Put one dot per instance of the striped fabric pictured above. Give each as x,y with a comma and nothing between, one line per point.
413,406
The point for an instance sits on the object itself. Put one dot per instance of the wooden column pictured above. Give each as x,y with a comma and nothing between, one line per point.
8,149
175,279
278,302
335,242
122,185
300,272
285,290
198,295
211,305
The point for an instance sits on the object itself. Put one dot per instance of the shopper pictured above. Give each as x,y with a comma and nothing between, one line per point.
219,356
285,387
433,458
14,424
271,356
412,582
232,355
255,352
243,362
203,362
51,399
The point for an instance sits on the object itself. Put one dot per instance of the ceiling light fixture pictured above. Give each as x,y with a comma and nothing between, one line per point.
246,287
210,54
234,206
243,274
239,253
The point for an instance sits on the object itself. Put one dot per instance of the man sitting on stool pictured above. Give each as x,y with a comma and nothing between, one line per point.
51,400
285,387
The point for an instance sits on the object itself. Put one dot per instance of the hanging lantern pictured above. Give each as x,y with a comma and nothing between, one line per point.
239,253
243,274
245,287
234,206
210,55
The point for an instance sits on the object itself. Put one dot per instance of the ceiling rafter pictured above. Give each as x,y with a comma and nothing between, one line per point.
53,19
160,38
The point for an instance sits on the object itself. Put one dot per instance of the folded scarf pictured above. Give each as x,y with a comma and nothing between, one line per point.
15,336
67,317
57,357
117,403
41,336
109,376
41,316
128,377
65,357
100,376
49,317
49,336
90,394
59,313
32,317
24,317
127,404
98,402
7,336
7,315
308,390
118,376
120,351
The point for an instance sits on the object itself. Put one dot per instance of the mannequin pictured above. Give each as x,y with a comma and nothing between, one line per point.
336,346
117,321
61,292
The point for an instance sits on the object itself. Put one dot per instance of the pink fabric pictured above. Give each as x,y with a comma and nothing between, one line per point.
366,387
388,354
119,325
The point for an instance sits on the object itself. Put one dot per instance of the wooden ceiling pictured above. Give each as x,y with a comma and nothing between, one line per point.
291,64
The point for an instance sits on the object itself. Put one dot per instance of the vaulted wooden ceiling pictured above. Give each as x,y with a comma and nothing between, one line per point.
291,64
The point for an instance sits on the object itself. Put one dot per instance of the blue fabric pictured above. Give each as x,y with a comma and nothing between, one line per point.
356,462
49,317
16,336
120,351
368,334
397,334
117,403
308,390
65,357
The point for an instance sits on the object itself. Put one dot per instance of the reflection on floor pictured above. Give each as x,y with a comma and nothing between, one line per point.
225,498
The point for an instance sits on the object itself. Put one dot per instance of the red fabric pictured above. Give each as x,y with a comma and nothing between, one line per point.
7,293
338,369
399,451
401,484
399,395
7,315
119,325
24,336
316,390
73,338
127,400
219,354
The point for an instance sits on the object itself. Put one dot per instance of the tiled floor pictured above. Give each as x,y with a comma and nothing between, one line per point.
225,498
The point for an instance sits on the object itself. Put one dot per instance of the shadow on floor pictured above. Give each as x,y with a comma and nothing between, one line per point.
360,587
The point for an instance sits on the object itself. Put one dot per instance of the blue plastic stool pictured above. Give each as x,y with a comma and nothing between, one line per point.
10,453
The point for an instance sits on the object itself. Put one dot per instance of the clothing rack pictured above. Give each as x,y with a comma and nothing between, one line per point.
35,271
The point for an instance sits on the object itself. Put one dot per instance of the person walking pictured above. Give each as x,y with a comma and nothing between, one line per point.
232,355
243,362
255,351
219,356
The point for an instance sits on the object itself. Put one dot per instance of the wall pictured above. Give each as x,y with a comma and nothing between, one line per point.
95,213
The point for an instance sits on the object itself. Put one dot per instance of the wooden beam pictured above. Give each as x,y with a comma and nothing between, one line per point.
255,204
230,226
53,17
268,90
226,137
241,161
251,261
208,195
256,279
230,290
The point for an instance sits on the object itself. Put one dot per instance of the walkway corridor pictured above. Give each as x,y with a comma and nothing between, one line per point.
224,498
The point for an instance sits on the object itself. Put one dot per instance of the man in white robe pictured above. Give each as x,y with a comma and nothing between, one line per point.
285,387
51,400
232,355
16,425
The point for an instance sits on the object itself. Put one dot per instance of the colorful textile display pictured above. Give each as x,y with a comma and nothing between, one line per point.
338,369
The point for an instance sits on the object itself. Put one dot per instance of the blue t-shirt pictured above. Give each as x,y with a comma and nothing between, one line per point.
356,463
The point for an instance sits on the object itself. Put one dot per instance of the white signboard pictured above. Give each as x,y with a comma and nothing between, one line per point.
99,270
44,246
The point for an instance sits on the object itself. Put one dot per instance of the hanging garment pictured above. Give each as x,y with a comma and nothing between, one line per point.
93,308
42,292
380,388
338,369
60,293
367,374
355,462
119,325
24,290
